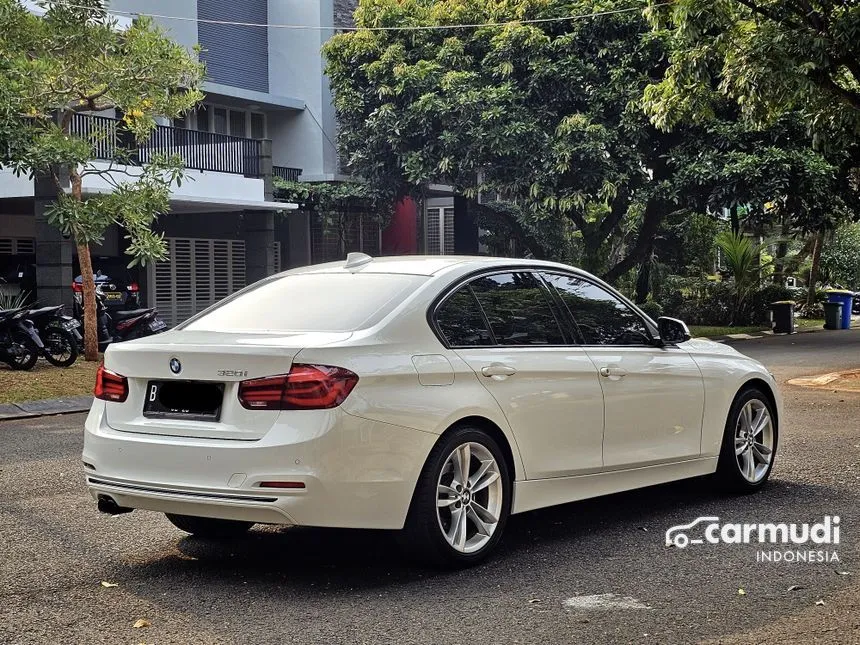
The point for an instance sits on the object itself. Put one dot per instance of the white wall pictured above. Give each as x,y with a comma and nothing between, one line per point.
296,69
210,185
12,186
182,31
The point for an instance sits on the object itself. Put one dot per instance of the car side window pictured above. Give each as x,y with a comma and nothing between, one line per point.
519,309
461,322
601,317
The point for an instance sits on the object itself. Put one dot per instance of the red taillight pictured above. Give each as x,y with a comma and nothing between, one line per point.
306,387
133,287
110,386
77,287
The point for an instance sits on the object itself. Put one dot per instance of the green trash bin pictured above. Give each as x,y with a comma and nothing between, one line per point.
832,315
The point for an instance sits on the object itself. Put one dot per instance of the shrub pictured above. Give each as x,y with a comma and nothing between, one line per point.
763,298
652,309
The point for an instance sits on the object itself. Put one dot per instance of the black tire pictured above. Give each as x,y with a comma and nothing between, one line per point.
61,348
27,359
729,475
422,536
208,527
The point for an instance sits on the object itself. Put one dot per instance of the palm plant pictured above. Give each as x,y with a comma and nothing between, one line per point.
742,256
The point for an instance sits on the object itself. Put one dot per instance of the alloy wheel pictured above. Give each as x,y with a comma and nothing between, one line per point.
469,497
754,440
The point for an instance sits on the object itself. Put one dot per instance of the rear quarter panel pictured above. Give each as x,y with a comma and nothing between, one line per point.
389,389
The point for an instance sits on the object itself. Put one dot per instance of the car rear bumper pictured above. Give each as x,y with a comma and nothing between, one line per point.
356,473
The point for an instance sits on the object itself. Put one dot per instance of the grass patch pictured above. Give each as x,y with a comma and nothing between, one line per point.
808,323
45,381
709,331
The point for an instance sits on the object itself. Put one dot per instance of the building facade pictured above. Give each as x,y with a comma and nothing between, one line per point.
267,113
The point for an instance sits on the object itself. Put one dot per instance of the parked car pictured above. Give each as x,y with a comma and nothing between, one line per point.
436,395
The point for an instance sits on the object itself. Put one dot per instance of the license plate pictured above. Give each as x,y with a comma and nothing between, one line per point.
113,295
70,324
157,325
189,400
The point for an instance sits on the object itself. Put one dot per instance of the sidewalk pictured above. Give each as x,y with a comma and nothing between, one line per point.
45,407
855,324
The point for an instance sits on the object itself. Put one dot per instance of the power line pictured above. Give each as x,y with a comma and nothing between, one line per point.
234,23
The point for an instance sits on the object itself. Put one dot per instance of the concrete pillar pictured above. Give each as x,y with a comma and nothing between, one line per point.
53,252
266,169
259,235
300,239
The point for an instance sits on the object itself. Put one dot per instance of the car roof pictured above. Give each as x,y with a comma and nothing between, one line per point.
427,265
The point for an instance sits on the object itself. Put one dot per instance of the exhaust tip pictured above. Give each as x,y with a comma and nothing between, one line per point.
107,504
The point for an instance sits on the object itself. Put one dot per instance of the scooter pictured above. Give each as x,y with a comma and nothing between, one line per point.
20,343
118,326
59,333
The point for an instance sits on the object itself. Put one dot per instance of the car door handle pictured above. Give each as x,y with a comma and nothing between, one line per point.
498,369
609,372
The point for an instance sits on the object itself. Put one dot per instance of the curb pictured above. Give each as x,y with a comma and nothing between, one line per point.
45,407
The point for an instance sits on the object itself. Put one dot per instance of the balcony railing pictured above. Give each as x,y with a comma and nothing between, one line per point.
198,150
287,174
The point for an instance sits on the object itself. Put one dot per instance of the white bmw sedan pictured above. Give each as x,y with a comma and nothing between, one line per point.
435,395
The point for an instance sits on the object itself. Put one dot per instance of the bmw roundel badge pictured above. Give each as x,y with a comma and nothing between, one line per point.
175,365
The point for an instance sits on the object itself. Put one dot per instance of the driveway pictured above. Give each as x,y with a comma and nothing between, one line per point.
588,572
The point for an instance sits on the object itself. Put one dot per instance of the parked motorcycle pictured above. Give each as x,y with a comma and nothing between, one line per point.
116,326
59,334
20,344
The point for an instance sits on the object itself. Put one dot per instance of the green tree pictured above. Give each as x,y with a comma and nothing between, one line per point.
840,257
771,57
77,59
550,116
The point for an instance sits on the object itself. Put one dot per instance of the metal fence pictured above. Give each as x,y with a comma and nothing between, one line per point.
111,140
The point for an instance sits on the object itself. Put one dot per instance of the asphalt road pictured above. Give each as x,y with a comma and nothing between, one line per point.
324,586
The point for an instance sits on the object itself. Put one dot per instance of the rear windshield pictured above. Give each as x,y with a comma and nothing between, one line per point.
310,302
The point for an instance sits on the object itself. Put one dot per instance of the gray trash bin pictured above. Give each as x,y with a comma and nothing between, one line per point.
832,315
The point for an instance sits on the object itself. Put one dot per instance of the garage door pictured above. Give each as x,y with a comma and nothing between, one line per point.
198,273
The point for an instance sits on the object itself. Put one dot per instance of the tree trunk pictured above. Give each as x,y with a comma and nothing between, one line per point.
91,332
779,263
813,272
654,211
643,281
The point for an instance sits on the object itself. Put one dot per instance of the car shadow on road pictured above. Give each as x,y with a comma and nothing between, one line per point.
350,560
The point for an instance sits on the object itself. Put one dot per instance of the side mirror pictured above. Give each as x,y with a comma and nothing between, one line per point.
672,331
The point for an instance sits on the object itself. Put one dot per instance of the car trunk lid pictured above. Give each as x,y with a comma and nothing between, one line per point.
185,383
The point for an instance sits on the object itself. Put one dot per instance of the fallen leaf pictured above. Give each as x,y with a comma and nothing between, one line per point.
534,600
741,592
643,528
795,587
109,584
819,602
141,622
843,573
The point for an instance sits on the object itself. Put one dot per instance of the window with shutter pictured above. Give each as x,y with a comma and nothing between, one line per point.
198,273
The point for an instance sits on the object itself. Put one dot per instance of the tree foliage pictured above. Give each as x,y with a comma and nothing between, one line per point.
840,258
551,117
75,59
771,57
